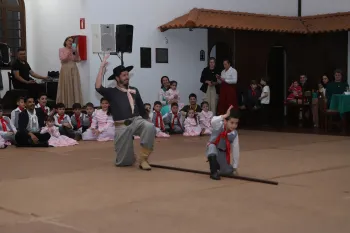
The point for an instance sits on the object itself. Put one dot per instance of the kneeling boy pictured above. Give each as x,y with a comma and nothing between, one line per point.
223,141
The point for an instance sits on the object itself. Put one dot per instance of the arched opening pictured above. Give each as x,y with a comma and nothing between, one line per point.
13,25
221,51
277,73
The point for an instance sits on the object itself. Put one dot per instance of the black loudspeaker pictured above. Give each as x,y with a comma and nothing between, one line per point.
123,38
5,54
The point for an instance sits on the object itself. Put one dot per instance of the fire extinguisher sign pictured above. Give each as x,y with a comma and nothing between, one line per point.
82,23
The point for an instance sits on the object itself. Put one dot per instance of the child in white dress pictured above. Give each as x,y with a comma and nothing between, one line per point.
102,126
192,127
56,139
205,117
173,95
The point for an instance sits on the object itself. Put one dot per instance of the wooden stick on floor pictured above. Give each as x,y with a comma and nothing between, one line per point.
208,173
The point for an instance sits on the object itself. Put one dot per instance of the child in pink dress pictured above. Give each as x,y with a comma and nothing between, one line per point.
173,95
56,139
205,117
102,127
192,128
157,120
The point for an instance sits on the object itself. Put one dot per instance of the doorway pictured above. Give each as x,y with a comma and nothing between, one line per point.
277,73
221,51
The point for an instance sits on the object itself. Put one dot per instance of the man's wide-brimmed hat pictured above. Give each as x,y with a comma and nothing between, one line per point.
118,70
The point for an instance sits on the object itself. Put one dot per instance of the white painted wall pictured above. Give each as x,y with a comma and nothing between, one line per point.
314,7
50,21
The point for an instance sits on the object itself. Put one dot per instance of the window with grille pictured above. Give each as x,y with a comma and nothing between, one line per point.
12,25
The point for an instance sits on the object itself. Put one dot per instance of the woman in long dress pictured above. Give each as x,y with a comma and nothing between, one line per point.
69,85
228,95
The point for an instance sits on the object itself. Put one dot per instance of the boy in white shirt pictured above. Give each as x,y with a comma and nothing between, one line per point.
265,100
15,113
222,143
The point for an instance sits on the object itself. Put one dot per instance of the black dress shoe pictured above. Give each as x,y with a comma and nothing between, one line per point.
213,164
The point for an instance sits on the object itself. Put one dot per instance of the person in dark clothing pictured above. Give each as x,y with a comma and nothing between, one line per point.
192,105
252,103
129,117
22,80
336,87
210,85
30,123
251,100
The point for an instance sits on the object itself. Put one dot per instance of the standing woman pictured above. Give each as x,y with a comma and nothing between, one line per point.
210,85
228,95
69,86
165,85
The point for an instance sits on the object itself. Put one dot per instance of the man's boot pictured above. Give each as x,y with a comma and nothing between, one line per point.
214,174
143,159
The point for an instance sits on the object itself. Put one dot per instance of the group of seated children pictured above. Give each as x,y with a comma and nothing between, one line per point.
173,122
36,125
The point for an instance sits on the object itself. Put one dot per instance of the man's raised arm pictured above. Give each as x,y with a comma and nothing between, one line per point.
98,83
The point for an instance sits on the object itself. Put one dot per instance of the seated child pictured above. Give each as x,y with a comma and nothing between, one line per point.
251,100
173,120
80,121
173,95
223,141
90,112
205,117
296,92
63,122
56,139
42,101
7,129
15,113
192,127
102,126
157,120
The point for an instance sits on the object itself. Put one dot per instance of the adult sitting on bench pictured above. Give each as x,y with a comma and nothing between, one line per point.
22,71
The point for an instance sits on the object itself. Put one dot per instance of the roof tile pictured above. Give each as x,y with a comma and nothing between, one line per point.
206,18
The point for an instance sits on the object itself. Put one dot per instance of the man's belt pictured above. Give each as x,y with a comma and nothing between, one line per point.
221,150
124,122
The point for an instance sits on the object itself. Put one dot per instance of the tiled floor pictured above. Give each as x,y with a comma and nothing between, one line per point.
79,190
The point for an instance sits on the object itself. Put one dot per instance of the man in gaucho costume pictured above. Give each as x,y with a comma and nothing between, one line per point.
129,116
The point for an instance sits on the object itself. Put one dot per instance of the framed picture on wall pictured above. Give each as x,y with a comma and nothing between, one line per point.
146,57
162,55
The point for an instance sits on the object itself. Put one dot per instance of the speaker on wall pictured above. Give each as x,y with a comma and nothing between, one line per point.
124,37
107,38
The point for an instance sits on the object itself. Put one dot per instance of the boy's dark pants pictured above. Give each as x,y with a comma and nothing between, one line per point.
67,132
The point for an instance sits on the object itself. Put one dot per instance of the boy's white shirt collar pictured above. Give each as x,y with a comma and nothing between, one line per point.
39,106
56,115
